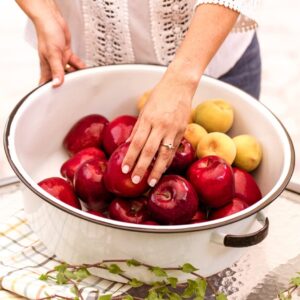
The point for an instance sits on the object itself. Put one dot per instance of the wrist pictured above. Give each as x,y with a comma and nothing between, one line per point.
186,73
39,11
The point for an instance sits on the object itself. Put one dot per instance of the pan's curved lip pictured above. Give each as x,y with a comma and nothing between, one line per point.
31,185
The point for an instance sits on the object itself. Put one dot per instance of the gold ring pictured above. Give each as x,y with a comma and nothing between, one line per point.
169,146
67,67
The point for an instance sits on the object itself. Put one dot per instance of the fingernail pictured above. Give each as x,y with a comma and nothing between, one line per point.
152,182
55,81
128,140
125,169
136,179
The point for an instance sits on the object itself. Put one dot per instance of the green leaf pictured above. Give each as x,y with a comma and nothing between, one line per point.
135,283
283,297
172,281
158,284
133,262
105,297
43,277
190,290
81,274
61,268
74,291
158,271
221,296
200,289
127,297
295,281
114,269
61,278
174,296
69,274
188,268
152,295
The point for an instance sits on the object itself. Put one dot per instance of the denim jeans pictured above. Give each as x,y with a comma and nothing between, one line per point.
246,73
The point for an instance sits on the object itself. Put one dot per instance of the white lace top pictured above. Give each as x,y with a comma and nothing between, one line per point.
108,32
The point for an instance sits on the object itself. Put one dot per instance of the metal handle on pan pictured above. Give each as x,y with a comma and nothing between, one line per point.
244,240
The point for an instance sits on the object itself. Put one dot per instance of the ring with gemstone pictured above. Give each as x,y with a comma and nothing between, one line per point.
168,145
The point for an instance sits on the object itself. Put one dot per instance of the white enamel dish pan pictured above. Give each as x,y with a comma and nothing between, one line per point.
33,144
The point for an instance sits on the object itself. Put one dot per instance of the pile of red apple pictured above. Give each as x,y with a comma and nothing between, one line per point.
192,190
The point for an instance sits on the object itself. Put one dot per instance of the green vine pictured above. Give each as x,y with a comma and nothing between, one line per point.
166,288
288,293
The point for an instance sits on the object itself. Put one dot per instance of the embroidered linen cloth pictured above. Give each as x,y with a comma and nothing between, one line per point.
23,258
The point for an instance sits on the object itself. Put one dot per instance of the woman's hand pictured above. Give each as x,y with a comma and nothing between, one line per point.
162,122
55,53
54,40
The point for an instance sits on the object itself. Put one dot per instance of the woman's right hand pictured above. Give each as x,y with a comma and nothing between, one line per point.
54,47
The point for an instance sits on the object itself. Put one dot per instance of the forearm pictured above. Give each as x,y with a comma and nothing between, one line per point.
39,10
209,27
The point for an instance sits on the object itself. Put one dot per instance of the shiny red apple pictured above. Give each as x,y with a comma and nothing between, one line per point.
230,208
69,168
96,213
121,184
130,211
89,184
172,201
60,189
117,132
246,187
87,132
213,180
184,156
150,222
199,217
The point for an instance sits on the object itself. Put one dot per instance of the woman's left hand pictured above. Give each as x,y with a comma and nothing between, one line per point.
162,122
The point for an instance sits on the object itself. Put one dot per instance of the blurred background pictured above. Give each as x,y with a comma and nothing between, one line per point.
278,33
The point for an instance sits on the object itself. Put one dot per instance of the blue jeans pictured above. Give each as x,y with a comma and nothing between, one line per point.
246,73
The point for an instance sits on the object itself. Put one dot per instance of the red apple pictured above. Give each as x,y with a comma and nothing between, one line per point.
213,180
121,184
245,187
117,132
69,168
87,132
131,211
184,156
96,213
89,184
199,217
232,207
150,222
173,201
60,189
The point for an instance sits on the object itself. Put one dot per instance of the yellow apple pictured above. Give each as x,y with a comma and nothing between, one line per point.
214,115
193,133
217,143
192,116
249,152
143,99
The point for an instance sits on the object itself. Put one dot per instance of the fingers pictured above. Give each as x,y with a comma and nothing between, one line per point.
136,145
76,62
57,68
177,142
164,158
45,71
146,157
